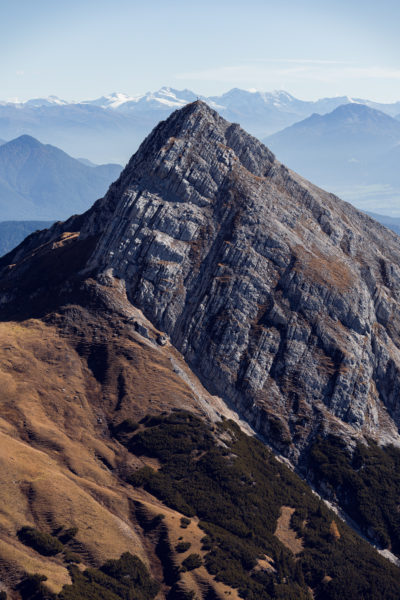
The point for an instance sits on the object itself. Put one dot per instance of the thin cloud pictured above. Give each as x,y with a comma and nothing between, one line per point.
306,61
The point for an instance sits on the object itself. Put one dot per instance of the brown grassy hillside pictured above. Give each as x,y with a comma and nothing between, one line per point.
63,382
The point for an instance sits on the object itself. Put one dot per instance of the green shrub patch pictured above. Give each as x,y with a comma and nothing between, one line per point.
193,561
366,483
42,542
182,546
125,578
236,488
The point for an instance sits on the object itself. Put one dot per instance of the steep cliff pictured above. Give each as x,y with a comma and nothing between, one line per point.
281,297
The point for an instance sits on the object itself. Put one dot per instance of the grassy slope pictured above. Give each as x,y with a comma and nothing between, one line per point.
66,382
232,491
61,468
55,454
62,382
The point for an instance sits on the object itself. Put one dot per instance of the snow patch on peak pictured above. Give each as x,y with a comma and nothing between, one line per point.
116,99
113,100
50,100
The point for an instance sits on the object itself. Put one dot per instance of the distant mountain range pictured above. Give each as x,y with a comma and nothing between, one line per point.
347,145
351,129
237,100
392,223
81,128
41,182
353,151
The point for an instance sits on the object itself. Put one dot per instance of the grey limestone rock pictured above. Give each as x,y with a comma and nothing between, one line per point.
282,298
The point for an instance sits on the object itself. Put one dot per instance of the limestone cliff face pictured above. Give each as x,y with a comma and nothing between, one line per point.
282,298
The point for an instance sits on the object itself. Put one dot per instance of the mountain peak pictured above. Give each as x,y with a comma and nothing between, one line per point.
172,161
282,299
355,108
196,126
41,181
182,122
234,256
49,101
26,140
258,277
200,109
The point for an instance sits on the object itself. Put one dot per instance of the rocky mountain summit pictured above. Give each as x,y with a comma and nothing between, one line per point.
281,297
209,281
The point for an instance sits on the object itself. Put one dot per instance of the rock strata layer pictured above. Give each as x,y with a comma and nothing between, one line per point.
281,297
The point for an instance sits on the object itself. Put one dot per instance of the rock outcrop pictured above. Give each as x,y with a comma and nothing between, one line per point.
283,299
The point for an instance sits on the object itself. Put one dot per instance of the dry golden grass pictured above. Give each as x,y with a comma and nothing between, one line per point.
18,559
59,463
198,580
53,449
285,533
334,531
321,269
265,564
65,238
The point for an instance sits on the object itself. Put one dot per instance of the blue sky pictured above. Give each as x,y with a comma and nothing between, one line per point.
81,50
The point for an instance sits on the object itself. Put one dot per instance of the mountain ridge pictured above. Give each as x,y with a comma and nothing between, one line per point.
261,164
351,151
190,200
176,98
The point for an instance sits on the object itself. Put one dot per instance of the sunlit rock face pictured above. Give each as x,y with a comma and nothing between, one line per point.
281,297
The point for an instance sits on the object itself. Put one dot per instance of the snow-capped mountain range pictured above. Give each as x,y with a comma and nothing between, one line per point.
235,99
165,97
81,127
